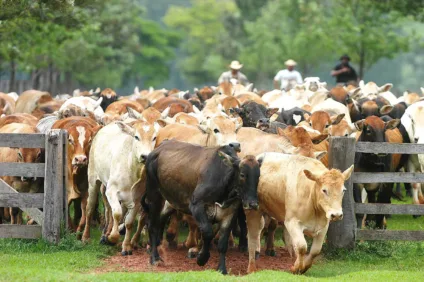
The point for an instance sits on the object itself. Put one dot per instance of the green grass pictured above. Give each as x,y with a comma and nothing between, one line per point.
32,260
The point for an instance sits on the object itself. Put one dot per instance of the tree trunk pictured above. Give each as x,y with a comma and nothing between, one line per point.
12,80
50,73
35,77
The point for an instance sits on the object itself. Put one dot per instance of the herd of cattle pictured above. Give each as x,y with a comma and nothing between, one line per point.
228,155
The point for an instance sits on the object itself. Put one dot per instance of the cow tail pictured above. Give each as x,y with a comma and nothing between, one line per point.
144,203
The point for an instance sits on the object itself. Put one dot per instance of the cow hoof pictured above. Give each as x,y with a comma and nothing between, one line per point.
222,270
242,249
156,261
257,255
126,253
104,241
191,255
202,259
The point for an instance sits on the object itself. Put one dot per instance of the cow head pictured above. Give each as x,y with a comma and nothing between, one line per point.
249,173
144,137
27,155
413,121
79,143
321,120
222,129
252,113
373,128
329,191
341,129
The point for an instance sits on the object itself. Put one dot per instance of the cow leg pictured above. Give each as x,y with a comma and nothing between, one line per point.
270,251
77,213
199,214
82,222
357,196
93,191
241,219
172,231
288,241
112,197
255,224
384,196
224,234
133,209
315,249
299,244
141,223
155,206
192,241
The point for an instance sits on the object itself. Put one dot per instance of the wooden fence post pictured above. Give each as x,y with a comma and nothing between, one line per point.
53,185
341,234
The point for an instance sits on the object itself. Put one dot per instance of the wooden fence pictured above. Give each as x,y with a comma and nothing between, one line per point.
52,201
343,234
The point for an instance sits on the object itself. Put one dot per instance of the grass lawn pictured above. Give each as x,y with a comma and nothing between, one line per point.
26,260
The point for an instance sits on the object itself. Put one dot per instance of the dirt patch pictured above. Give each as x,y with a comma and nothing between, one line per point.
177,261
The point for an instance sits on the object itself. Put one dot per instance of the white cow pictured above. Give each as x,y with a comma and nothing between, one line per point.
117,159
86,103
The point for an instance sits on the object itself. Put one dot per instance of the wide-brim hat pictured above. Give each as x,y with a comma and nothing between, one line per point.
345,57
235,65
290,63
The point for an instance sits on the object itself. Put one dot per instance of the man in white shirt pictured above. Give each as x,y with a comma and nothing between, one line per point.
234,74
288,78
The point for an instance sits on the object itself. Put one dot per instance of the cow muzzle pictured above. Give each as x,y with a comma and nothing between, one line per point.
263,124
253,205
335,216
143,159
236,146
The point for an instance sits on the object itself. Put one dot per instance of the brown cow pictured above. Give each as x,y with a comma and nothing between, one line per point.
21,155
305,196
109,96
19,118
81,131
321,120
47,108
205,93
176,105
184,118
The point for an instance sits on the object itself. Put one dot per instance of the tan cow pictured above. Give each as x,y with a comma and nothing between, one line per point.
30,99
302,193
321,120
7,104
81,131
19,118
117,157
21,155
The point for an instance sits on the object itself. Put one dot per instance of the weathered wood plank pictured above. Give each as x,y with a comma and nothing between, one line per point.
22,140
388,177
383,235
53,185
65,179
391,148
341,234
22,169
389,209
20,231
34,213
22,200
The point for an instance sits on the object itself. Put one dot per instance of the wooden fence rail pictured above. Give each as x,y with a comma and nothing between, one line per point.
53,216
343,234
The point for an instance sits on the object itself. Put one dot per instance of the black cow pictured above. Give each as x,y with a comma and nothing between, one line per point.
208,183
373,129
252,113
292,116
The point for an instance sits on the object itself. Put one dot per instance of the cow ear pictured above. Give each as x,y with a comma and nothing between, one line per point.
348,172
133,113
385,87
260,160
319,155
125,128
392,124
337,119
226,159
318,139
386,109
162,122
203,127
310,175
165,112
270,112
359,125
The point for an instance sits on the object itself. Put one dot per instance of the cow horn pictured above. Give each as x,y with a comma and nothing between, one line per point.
6,107
165,113
136,91
133,113
98,102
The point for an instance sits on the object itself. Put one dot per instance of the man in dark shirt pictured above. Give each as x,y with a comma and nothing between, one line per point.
344,72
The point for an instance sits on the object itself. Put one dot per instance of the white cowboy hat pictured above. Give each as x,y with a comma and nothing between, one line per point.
290,63
235,65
